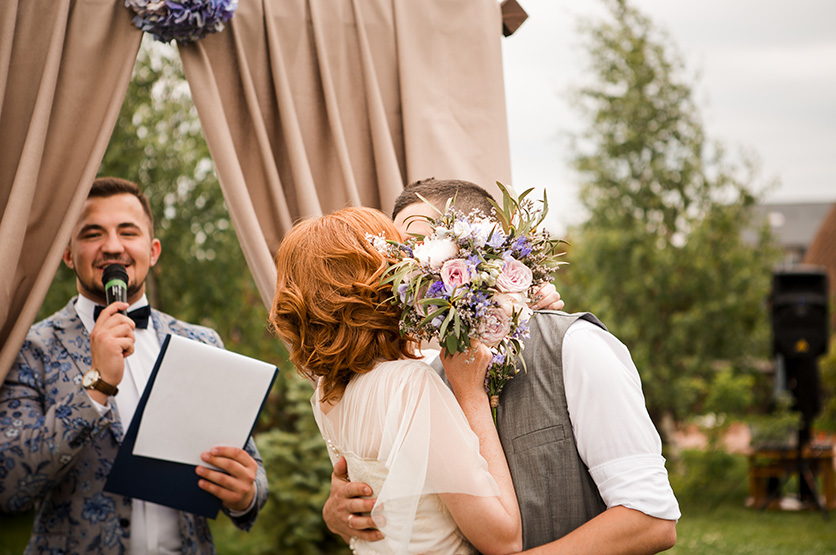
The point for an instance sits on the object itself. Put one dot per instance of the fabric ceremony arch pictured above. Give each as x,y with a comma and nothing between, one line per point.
65,66
306,106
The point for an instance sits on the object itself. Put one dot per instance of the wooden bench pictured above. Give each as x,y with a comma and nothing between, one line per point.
780,463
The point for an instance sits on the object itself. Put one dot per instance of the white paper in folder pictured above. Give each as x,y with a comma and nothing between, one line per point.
202,397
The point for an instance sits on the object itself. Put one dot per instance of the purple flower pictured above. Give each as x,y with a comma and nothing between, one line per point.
403,289
522,246
522,331
496,240
437,290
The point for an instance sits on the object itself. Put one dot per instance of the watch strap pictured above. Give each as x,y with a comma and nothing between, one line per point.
104,387
100,385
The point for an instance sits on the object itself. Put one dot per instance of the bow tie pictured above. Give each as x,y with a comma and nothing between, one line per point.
139,316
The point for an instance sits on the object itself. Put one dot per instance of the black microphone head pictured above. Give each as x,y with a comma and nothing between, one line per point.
115,272
115,282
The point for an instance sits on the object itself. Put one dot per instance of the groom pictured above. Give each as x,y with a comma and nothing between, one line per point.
584,456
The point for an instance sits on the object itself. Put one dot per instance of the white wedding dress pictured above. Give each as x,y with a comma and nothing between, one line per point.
403,433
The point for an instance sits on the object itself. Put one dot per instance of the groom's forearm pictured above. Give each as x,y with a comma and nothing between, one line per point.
616,531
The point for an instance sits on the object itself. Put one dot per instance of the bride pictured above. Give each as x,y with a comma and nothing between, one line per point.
442,481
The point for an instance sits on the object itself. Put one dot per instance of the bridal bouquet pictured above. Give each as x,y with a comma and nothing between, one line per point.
473,277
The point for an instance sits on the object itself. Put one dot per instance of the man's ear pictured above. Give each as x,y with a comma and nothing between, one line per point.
156,249
67,257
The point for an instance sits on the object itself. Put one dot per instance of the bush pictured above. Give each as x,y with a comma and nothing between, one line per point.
705,479
778,429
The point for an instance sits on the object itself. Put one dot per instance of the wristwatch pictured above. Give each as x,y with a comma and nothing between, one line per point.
93,380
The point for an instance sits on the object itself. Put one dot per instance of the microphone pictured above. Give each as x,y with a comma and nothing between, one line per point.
115,281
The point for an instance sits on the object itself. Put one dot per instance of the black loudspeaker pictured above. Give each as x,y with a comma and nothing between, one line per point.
800,312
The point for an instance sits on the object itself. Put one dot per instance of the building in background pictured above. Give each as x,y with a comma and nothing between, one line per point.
822,252
795,225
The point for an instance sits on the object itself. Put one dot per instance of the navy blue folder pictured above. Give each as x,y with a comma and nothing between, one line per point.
168,483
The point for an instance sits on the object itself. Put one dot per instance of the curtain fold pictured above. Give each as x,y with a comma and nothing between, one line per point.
309,107
452,90
64,68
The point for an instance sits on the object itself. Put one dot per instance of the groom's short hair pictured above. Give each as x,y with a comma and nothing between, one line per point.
468,196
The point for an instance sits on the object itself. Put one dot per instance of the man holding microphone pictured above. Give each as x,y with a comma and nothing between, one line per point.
74,387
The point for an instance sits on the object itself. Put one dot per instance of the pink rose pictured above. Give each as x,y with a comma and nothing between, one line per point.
455,273
495,327
516,277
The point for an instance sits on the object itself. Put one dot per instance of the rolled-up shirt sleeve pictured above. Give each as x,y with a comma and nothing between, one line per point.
615,436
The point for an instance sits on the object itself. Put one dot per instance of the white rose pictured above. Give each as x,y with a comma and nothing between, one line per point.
511,303
434,252
481,231
461,229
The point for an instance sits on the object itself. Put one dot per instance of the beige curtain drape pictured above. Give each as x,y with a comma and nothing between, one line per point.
307,106
64,68
310,106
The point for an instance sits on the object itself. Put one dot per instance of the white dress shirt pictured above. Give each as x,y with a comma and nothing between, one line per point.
155,529
616,438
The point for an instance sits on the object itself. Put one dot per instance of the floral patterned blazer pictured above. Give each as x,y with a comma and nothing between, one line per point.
56,450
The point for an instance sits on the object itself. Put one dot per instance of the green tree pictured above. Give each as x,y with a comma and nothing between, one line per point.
661,258
202,277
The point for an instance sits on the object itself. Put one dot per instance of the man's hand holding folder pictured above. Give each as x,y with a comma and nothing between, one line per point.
236,486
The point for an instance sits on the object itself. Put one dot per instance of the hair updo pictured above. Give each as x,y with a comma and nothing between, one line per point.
330,307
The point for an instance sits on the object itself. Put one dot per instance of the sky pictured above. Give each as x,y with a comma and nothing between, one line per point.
763,76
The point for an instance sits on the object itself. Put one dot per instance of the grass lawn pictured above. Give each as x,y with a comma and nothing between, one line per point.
712,495
733,529
728,529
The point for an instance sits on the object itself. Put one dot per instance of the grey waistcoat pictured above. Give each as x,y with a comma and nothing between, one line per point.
554,489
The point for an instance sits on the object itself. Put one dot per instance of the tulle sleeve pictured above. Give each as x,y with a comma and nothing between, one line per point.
428,448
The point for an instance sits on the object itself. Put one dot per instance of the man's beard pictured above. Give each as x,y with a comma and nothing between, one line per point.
97,287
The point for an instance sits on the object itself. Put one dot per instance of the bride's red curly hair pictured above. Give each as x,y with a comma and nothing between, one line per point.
330,307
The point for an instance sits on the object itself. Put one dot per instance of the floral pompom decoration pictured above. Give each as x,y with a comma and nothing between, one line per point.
183,21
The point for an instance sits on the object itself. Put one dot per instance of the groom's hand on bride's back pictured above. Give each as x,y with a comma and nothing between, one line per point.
346,510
